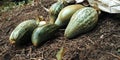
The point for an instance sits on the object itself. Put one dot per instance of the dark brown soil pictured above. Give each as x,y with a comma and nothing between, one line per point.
101,43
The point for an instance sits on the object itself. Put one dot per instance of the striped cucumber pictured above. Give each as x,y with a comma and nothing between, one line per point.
82,21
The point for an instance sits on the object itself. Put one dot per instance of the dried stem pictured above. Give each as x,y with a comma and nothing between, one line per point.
114,55
46,9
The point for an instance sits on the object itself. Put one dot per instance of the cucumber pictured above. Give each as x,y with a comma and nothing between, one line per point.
22,33
82,21
43,33
55,9
66,13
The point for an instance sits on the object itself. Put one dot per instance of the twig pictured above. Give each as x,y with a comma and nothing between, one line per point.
90,40
114,55
46,9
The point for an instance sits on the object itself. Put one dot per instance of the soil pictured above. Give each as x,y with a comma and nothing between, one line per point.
102,43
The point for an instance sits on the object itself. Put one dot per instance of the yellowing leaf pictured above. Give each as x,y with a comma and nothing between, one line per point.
60,53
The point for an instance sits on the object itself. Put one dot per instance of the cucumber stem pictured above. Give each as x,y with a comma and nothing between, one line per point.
34,44
96,8
12,41
52,19
39,18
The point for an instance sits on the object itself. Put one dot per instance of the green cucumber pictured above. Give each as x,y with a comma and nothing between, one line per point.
82,21
43,33
55,9
66,13
22,32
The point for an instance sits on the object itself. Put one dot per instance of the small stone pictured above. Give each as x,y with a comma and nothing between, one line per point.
70,1
79,1
101,36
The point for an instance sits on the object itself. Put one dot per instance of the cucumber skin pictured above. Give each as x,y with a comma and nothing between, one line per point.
24,28
83,20
43,33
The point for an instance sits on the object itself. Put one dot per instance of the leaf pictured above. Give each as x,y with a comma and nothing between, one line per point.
60,53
